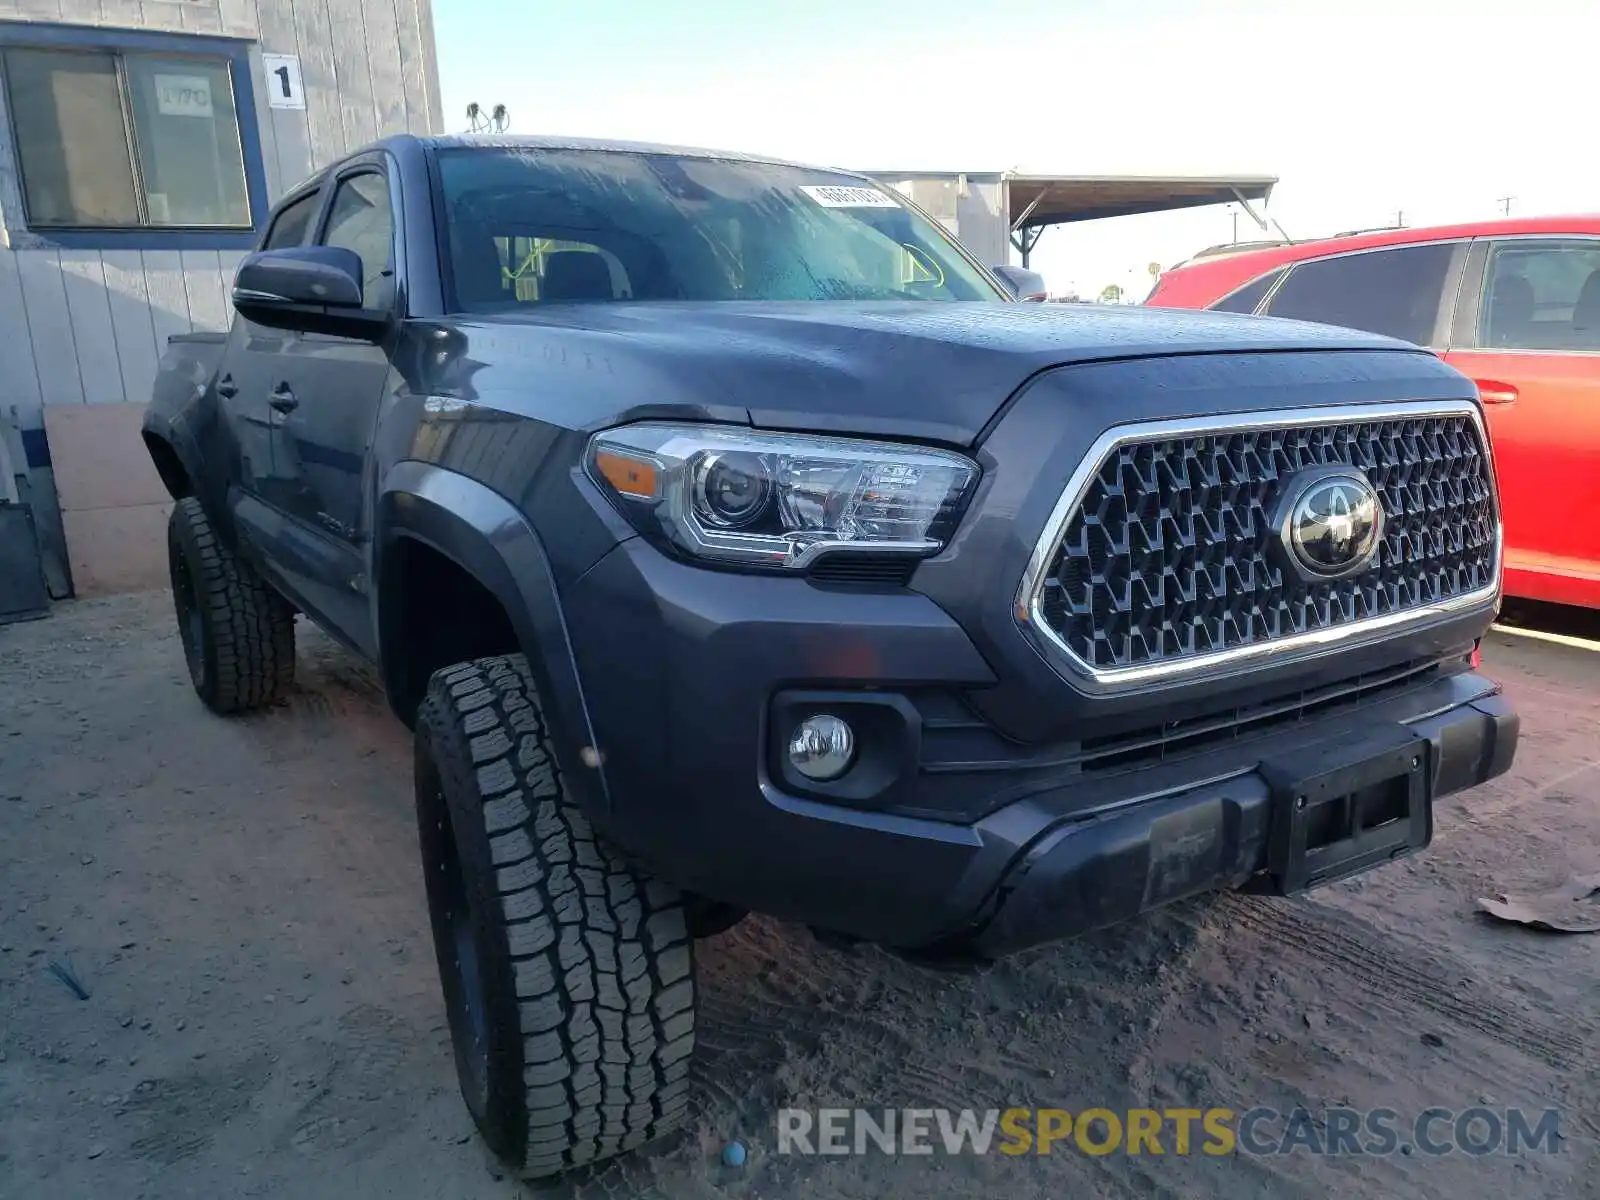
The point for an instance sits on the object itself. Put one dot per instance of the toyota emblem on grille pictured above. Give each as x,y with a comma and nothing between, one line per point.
1333,526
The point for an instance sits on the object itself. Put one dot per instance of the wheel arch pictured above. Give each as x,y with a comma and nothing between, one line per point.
482,535
173,454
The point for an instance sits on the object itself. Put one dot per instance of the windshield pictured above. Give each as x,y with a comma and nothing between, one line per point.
537,226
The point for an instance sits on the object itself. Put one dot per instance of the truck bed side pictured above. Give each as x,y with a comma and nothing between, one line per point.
181,404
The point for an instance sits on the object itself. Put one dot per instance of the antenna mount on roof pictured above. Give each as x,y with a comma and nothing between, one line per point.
496,121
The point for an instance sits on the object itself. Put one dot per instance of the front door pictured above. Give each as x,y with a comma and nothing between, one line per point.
328,394
1531,342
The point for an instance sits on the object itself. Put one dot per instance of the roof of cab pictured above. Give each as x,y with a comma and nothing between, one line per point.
523,141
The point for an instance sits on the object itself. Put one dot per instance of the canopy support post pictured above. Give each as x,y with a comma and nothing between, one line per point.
1250,210
1026,239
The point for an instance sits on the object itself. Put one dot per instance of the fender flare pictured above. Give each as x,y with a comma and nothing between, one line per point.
487,537
174,434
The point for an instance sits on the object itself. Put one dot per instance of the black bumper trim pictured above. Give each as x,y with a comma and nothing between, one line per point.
1084,875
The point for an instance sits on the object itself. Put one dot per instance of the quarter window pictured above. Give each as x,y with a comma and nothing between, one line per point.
361,221
1541,296
112,140
1393,292
1251,294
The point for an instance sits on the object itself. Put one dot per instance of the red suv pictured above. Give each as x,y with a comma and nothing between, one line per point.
1516,306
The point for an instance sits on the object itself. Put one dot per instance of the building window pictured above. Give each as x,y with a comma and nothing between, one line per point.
113,139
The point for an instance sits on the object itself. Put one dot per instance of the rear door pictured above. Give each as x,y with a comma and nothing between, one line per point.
1528,332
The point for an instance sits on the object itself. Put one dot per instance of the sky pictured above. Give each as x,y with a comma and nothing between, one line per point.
1434,109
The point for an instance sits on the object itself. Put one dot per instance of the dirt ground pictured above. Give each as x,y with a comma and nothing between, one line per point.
243,903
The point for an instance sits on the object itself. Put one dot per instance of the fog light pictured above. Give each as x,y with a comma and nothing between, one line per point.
822,747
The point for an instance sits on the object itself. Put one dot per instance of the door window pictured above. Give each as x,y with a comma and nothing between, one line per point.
1394,292
289,227
1541,296
361,220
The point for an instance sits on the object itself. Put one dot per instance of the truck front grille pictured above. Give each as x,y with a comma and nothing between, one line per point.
1165,556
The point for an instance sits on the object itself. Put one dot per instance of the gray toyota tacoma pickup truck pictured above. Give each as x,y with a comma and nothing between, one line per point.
733,542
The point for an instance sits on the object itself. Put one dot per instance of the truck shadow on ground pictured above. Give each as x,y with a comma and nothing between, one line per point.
1551,618
787,1022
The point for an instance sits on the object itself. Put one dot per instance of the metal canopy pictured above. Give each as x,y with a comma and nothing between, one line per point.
1030,203
1036,202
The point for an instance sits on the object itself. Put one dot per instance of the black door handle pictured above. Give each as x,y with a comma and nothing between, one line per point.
226,388
283,399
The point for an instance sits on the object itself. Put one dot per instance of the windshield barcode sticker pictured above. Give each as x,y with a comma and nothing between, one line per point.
835,196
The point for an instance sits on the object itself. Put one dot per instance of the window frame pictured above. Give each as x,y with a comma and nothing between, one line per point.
1449,303
1467,323
236,52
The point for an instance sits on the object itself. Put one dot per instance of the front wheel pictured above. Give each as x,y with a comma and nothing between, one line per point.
568,974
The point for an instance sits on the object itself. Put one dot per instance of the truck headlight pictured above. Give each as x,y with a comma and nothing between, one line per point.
780,500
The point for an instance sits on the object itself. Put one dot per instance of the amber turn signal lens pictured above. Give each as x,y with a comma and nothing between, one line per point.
630,476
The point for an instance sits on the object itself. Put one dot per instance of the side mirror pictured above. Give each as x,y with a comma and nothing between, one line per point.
314,289
1022,283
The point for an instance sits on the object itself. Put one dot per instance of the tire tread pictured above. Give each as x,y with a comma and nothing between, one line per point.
597,939
250,627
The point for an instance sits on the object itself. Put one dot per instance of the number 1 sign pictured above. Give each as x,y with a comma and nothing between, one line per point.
284,89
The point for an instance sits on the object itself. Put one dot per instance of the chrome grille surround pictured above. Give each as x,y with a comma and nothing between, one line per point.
1266,448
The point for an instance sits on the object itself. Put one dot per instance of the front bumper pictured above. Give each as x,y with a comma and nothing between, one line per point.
685,673
1087,874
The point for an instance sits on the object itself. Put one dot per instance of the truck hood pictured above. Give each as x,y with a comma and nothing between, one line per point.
932,371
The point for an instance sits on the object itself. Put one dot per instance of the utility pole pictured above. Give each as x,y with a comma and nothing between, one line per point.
1505,205
1235,213
1400,218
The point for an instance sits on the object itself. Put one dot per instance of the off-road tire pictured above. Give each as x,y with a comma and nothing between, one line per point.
237,633
568,973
